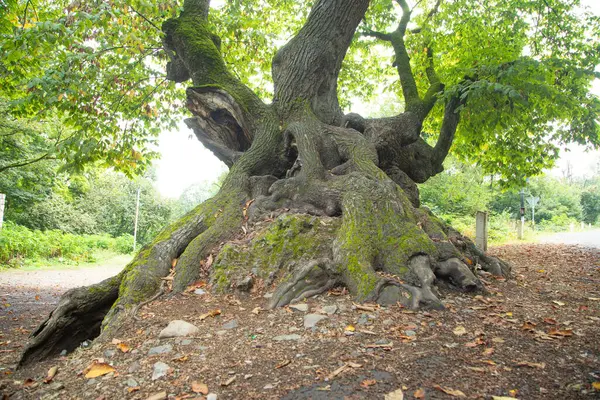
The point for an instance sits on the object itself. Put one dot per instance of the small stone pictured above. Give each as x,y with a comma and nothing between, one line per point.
134,367
178,328
311,320
231,324
63,353
282,338
211,396
220,333
131,382
303,307
158,396
56,386
268,386
363,319
383,341
200,291
410,333
186,342
330,310
268,295
160,370
388,322
91,382
165,348
110,353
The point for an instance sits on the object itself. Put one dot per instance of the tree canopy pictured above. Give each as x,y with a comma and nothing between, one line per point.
98,67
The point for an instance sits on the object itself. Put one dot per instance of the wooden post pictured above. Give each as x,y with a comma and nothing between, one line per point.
520,227
2,198
481,230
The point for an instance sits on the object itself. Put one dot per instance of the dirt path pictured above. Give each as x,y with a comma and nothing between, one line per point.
534,337
26,296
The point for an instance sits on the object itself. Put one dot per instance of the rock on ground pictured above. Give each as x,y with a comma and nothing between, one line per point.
178,328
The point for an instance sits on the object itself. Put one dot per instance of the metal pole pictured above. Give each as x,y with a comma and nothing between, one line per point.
135,224
2,198
522,212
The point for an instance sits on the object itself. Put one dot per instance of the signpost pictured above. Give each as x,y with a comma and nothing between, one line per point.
533,201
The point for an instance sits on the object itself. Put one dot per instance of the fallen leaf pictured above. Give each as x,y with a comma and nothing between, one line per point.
28,382
419,393
558,303
198,387
503,398
256,310
133,389
498,340
488,352
115,341
395,395
368,382
596,385
37,297
353,365
123,347
98,369
450,391
550,321
51,374
527,326
531,364
283,364
350,328
459,330
212,313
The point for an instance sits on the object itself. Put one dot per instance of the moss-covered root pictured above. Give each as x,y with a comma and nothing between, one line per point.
77,317
142,277
315,277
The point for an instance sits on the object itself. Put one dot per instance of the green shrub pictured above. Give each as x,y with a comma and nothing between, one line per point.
124,244
19,244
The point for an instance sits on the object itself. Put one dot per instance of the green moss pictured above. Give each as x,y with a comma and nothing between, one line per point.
291,239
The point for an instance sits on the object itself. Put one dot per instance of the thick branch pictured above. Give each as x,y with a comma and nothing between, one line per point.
307,67
407,79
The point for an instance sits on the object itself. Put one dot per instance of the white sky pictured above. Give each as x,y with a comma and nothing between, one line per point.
184,161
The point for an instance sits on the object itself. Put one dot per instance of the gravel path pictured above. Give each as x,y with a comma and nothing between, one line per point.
27,296
585,238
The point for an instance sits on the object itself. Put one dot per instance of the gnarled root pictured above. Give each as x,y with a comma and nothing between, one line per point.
77,317
313,278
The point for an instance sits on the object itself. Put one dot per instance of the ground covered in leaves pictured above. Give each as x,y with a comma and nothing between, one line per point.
534,337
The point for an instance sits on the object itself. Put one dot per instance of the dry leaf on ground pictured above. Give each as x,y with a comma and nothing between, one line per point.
97,369
395,395
51,374
450,391
198,387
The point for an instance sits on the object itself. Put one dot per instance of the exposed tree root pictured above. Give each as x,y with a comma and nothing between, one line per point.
77,317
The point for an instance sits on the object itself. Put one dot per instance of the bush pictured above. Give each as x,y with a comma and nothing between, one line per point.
124,244
18,244
558,223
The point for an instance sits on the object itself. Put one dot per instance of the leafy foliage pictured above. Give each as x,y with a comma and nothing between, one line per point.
525,68
18,243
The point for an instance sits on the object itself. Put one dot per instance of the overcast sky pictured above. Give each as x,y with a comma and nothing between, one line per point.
184,161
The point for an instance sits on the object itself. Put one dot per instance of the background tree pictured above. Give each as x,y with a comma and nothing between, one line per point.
328,198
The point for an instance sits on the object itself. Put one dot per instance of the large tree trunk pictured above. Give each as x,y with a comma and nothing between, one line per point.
320,199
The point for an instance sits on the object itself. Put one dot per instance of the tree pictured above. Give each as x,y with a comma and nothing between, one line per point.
330,198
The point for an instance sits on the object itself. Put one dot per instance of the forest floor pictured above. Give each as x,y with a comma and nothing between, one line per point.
536,336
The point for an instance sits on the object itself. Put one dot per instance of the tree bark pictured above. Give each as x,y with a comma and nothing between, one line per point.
331,197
